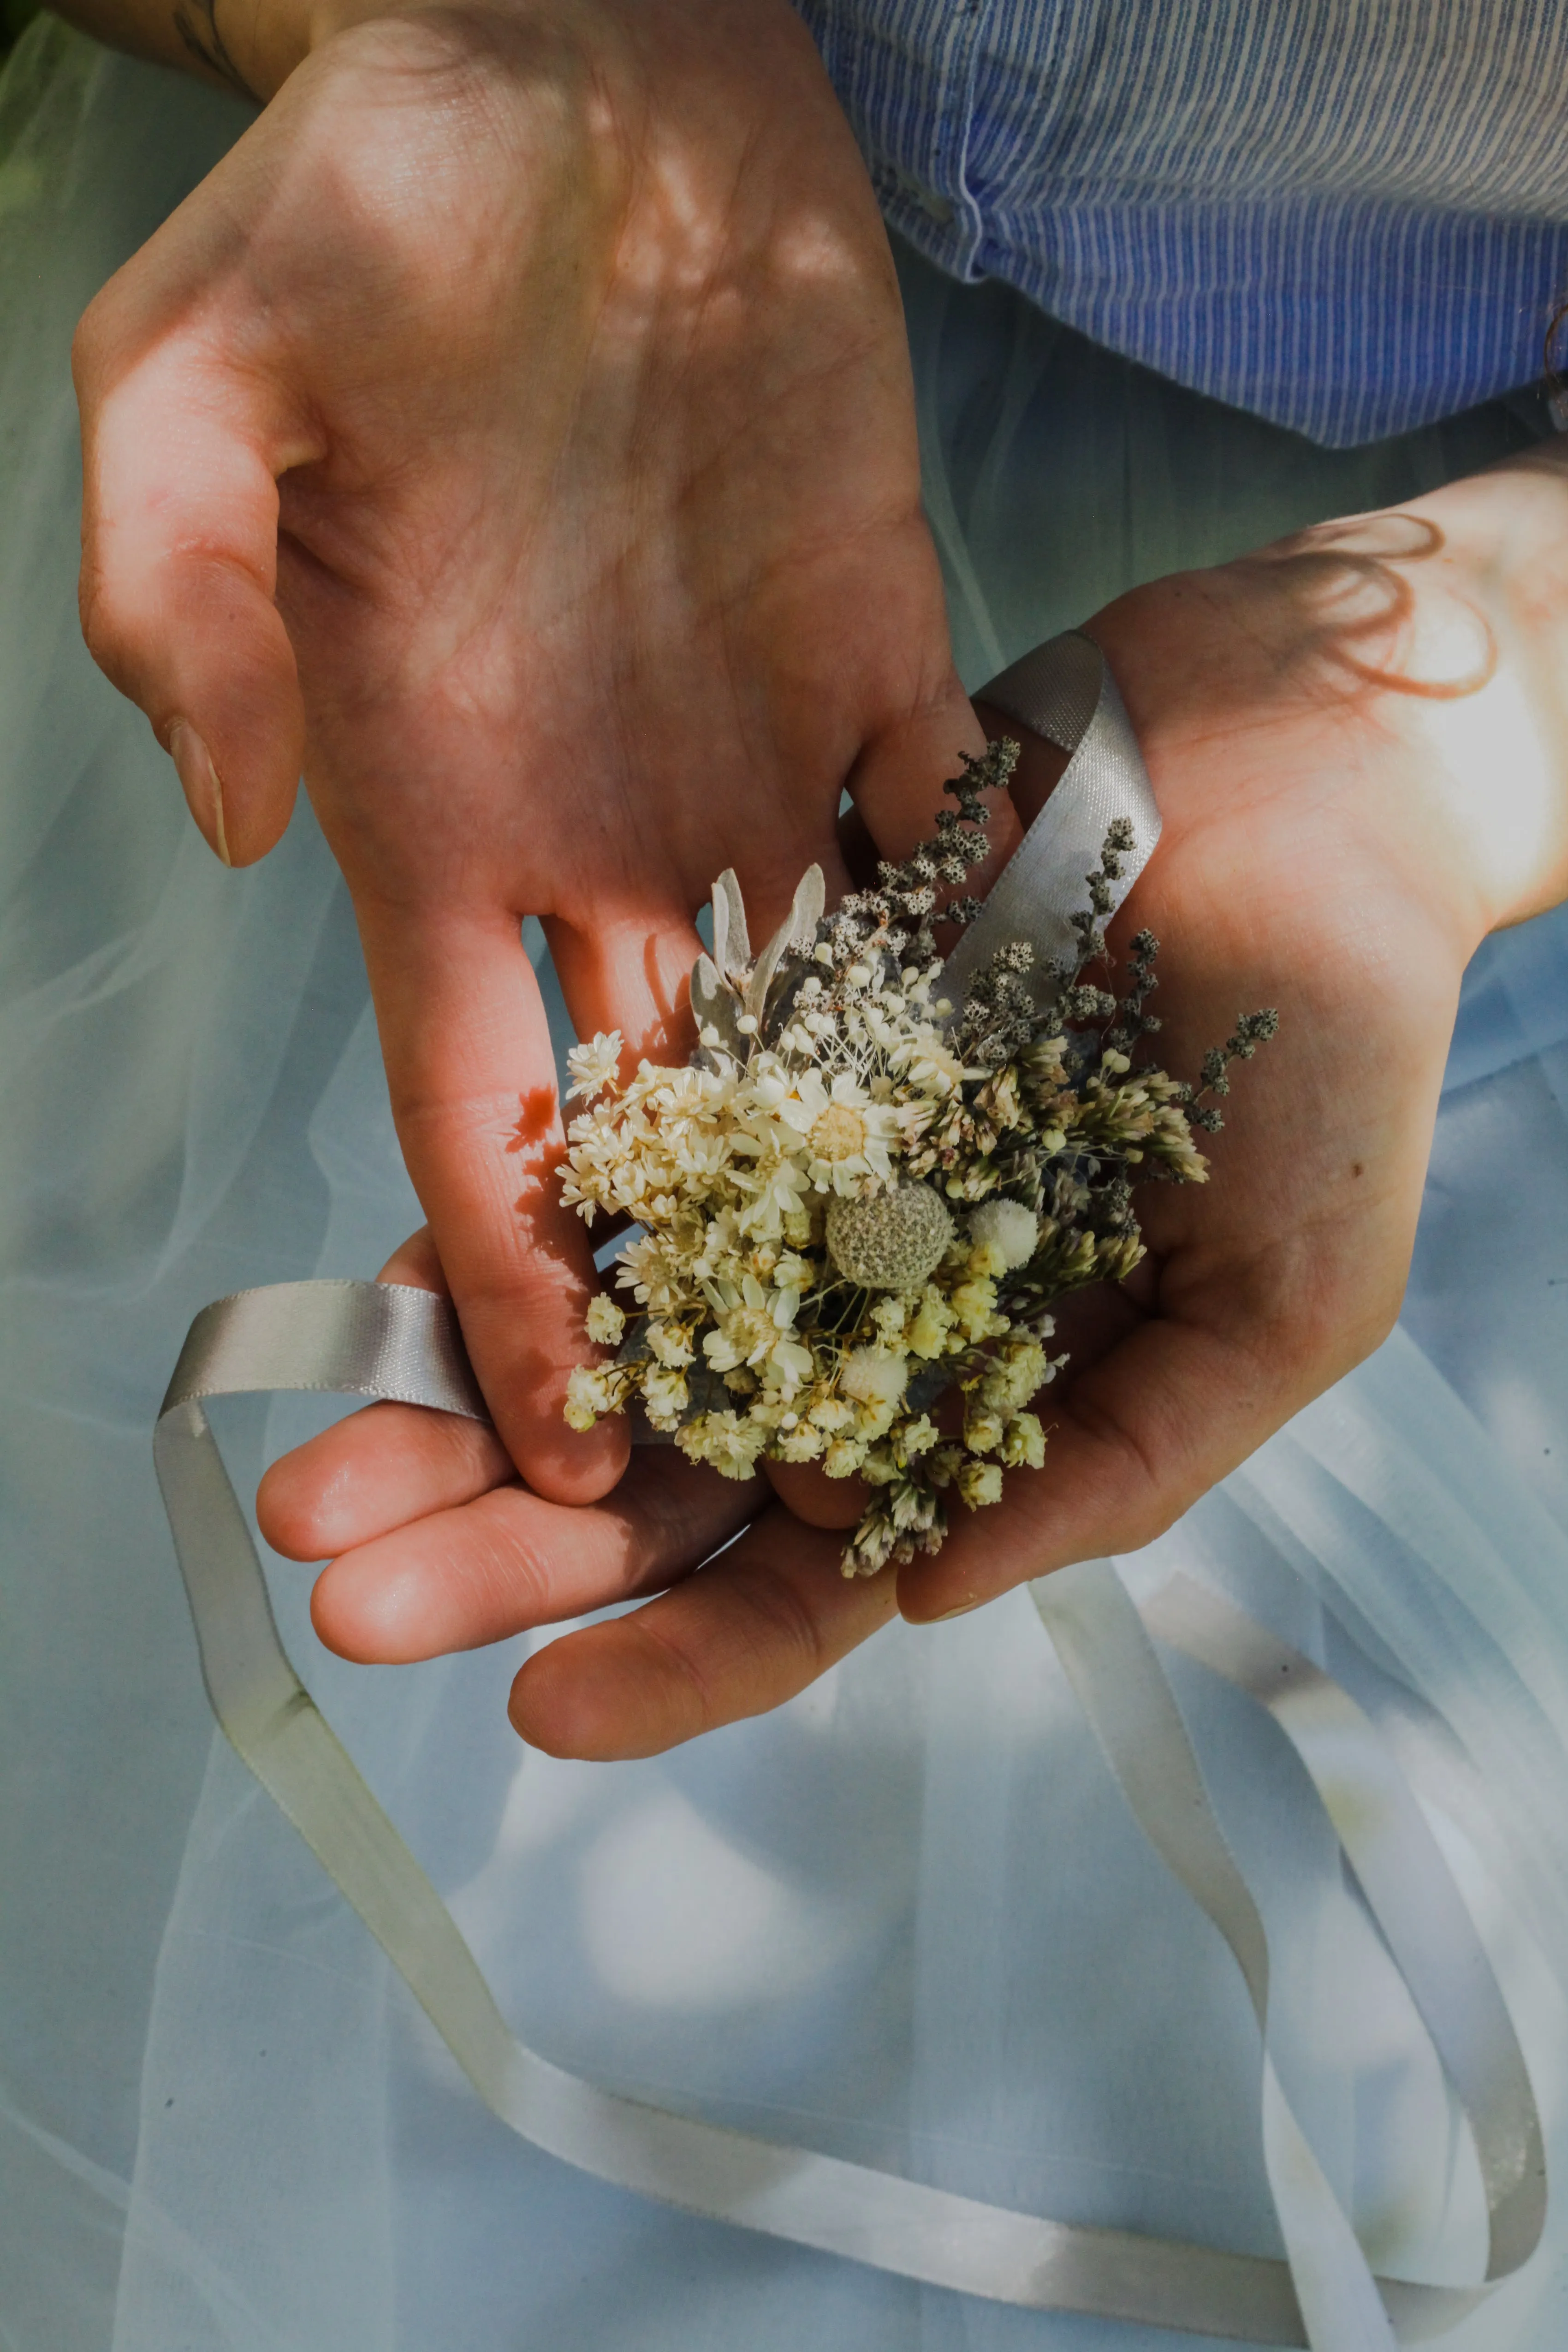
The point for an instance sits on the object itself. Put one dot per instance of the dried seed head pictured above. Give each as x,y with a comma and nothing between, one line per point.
894,1242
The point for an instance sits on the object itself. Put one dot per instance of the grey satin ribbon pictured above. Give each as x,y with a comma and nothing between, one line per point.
380,1340
374,1339
1065,692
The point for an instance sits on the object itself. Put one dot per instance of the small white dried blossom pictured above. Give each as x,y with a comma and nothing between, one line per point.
803,1288
724,1441
979,1483
1007,1230
591,1391
874,1379
604,1322
594,1066
1023,1447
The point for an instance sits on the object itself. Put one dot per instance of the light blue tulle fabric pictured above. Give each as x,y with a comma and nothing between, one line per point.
907,1918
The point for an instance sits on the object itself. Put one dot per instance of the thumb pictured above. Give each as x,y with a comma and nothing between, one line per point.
181,447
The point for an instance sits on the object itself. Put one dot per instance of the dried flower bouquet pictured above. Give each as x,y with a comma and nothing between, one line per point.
858,1200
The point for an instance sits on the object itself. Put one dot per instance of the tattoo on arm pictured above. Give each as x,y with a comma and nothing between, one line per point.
195,22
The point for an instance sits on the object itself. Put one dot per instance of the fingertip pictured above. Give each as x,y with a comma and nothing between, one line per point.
363,1614
808,1492
603,1696
388,1603
237,732
576,1466
927,1597
374,1473
290,1510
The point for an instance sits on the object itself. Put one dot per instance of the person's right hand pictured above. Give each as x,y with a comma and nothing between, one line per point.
516,430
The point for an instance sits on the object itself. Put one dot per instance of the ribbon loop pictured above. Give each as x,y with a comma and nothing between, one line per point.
380,1340
1064,691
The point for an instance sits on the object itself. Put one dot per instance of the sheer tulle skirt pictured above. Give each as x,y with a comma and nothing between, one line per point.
907,1918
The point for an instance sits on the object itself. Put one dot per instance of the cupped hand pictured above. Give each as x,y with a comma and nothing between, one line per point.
1328,848
516,432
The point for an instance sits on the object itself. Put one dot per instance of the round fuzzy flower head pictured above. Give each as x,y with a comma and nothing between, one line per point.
853,1209
1007,1230
873,1379
895,1241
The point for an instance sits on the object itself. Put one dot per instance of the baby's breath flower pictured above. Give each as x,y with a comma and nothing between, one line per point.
1023,1447
832,1415
1016,1372
974,1305
979,1483
803,1290
591,1391
983,1431
605,1321
934,1318
889,1315
665,1396
668,1343
594,1067
726,1442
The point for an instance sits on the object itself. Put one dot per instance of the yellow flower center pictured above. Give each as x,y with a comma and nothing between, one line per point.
838,1133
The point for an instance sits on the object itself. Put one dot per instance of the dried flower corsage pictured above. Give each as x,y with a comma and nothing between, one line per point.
857,1202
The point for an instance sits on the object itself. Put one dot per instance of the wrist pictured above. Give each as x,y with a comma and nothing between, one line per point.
1490,625
1399,673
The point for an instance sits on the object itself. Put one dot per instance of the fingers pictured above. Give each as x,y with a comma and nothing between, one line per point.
182,442
472,1075
805,1488
748,1632
1173,1408
508,1561
382,1465
380,1468
630,972
897,782
1040,767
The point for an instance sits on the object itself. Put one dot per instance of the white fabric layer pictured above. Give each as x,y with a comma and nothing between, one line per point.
905,1921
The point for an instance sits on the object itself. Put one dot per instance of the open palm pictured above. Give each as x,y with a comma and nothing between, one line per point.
1315,858
516,430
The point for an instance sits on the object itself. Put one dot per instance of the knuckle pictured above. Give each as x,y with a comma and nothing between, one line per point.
692,1701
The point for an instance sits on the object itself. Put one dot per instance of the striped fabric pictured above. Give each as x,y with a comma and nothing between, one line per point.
1349,217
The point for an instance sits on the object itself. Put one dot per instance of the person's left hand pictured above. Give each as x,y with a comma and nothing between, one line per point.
1330,848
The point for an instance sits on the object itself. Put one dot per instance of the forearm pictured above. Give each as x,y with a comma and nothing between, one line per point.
1405,670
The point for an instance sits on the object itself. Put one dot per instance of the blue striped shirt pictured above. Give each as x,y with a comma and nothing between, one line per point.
1348,216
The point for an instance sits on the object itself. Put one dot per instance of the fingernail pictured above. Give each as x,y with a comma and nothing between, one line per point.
199,780
946,1615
